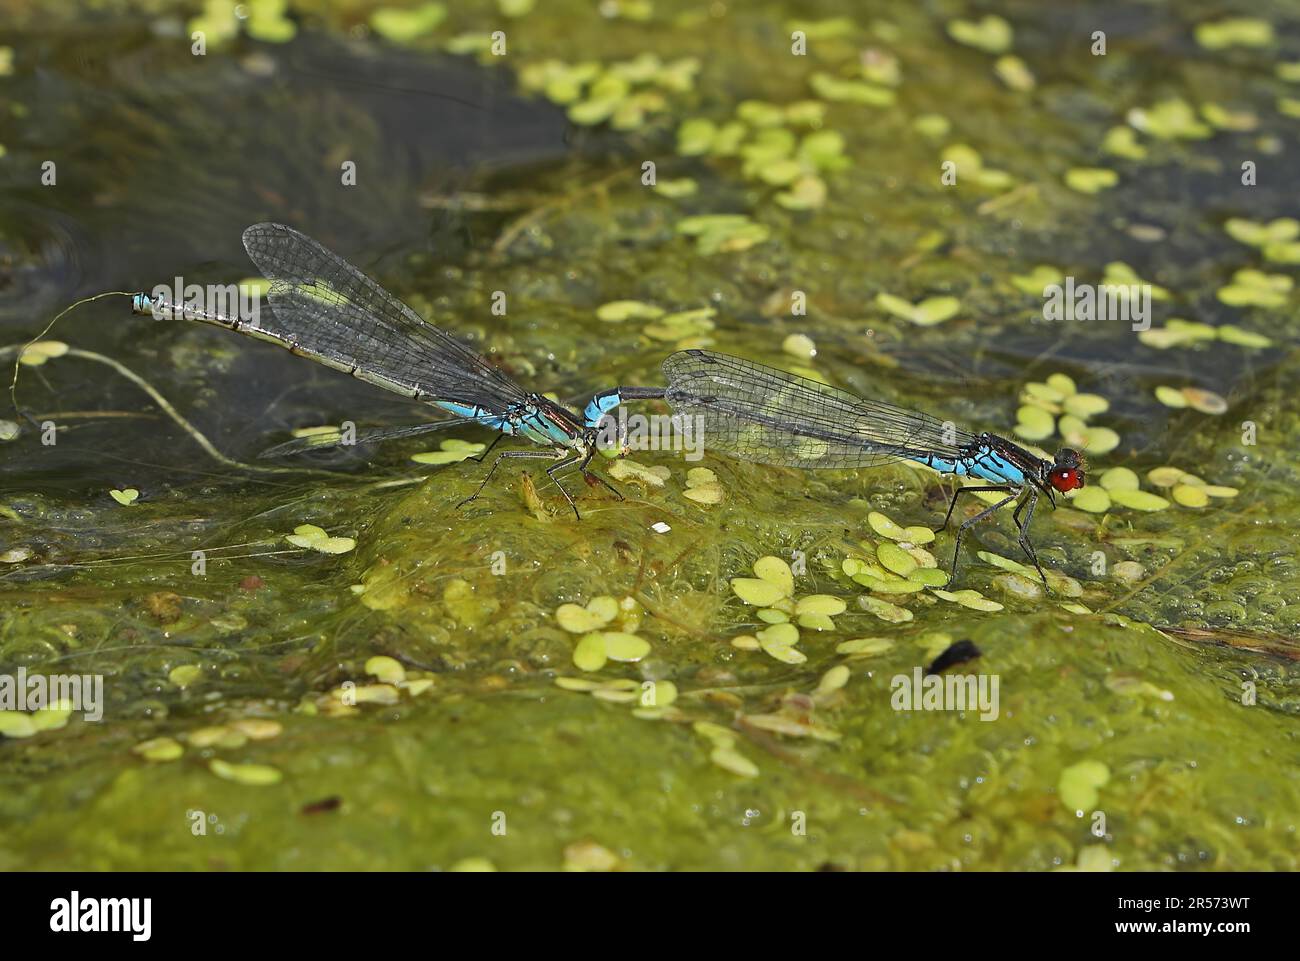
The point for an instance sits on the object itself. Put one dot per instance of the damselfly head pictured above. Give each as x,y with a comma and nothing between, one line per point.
1069,470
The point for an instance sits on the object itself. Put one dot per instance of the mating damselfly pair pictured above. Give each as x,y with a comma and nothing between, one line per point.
325,309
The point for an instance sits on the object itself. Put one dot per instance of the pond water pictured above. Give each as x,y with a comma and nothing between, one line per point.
873,198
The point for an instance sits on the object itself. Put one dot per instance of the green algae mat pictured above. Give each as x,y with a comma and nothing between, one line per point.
1074,230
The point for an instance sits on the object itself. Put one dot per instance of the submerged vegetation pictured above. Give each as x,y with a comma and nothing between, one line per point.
337,667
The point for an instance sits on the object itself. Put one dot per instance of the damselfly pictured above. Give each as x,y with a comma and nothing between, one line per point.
769,416
327,310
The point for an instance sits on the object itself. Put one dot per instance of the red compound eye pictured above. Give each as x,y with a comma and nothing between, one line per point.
1066,478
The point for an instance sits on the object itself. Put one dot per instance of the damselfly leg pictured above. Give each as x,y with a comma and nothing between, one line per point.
1028,548
971,490
982,515
530,454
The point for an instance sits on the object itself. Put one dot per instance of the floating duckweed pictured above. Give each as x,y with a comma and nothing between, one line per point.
1170,396
451,451
16,724
723,233
969,598
1039,278
184,675
1006,563
257,728
1123,142
807,193
375,694
800,345
658,694
770,615
1205,401
926,313
775,571
53,717
1215,490
932,125
1015,73
895,559
1234,32
884,610
34,355
1084,406
159,749
631,471
1165,476
778,641
719,735
928,577
702,486
589,654
216,736
1022,585
970,165
832,88
756,591
1256,234
1129,686
402,26
1190,496
864,646
618,311
1090,180
1139,500
825,604
1079,784
1094,500
731,760
885,527
889,584
386,669
990,33
628,648
253,775
313,538
580,684
816,622
834,679
1088,438
125,497
1120,275
1255,288
1119,478
1129,572
581,620
745,642
1169,120
1034,423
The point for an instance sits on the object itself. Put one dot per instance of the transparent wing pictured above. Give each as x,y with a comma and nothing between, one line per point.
770,416
335,438
326,309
